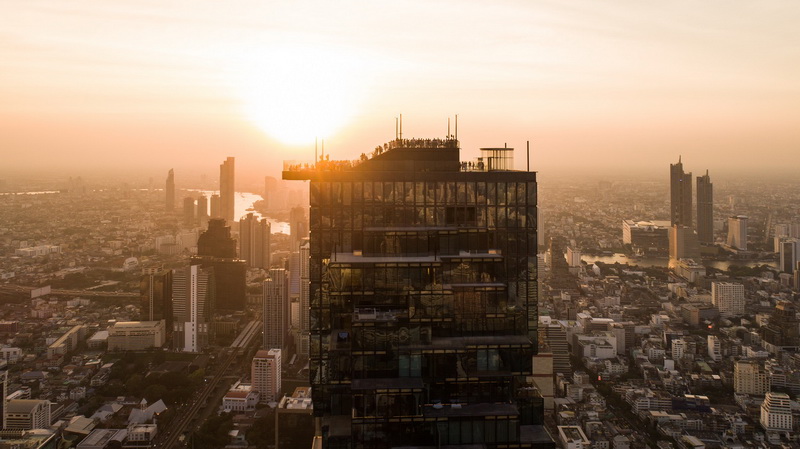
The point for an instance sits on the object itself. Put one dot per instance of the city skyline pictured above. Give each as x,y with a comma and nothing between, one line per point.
615,88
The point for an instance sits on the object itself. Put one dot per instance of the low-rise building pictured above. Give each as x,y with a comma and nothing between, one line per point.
572,437
27,414
136,335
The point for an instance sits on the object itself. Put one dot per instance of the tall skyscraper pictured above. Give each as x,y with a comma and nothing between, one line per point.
170,191
728,297
255,237
789,250
4,392
423,298
275,302
305,325
155,287
705,209
680,187
217,249
265,374
192,306
227,189
298,227
737,232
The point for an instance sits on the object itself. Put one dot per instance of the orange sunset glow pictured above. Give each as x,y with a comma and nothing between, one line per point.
146,85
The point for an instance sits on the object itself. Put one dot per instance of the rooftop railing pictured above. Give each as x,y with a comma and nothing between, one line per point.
325,164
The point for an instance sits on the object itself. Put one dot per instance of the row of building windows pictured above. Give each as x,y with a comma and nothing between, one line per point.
400,193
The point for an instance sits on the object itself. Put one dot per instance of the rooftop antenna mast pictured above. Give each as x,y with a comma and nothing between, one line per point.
323,148
401,126
316,154
448,127
529,155
456,128
396,128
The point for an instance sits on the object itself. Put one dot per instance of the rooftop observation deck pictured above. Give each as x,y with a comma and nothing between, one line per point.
425,155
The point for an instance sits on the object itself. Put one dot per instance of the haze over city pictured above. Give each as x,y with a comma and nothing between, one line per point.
101,89
409,225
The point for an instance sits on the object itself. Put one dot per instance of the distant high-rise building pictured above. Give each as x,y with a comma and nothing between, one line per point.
217,249
276,309
737,232
255,237
214,203
750,377
680,187
782,332
573,257
265,374
227,189
705,209
728,297
298,227
305,325
422,277
170,191
776,412
192,306
4,392
202,210
789,250
189,212
683,243
796,276
217,241
156,293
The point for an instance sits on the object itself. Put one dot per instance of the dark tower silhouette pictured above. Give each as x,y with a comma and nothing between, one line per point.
217,249
227,189
423,298
680,186
217,240
705,209
155,287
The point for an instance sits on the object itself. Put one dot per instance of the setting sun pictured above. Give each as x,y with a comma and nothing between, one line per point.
296,93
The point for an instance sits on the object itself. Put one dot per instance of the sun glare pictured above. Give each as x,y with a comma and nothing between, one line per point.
298,93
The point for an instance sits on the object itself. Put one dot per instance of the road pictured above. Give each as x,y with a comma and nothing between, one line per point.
83,293
182,423
169,437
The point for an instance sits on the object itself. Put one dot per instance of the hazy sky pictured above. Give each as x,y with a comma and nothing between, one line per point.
143,86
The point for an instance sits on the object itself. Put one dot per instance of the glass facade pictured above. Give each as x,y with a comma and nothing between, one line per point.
422,299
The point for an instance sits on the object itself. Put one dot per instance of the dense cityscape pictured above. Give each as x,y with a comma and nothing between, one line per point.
444,224
409,299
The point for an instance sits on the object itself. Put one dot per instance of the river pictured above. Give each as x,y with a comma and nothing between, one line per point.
244,201
664,261
30,193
